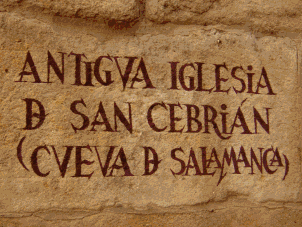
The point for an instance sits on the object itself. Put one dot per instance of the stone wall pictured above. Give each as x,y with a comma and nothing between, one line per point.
150,113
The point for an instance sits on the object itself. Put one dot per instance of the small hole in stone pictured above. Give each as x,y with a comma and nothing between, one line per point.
6,70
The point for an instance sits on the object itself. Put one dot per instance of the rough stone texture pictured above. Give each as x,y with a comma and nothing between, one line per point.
270,16
120,10
245,199
226,215
277,55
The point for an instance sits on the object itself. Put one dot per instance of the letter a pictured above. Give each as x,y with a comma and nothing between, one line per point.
32,66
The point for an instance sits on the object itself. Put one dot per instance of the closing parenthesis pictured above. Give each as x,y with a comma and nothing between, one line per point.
286,166
19,153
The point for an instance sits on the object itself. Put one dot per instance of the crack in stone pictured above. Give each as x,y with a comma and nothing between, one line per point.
171,210
212,210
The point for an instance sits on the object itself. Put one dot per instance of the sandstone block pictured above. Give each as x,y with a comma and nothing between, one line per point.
185,117
121,10
264,16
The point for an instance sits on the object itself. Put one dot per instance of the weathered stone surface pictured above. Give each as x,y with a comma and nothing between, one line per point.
229,215
121,10
273,59
262,16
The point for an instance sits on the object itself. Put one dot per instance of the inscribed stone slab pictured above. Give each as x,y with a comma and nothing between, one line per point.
189,116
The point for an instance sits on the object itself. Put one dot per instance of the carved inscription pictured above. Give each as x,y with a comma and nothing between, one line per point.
223,121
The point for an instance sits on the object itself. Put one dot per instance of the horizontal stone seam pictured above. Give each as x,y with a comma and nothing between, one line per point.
143,213
242,28
24,6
